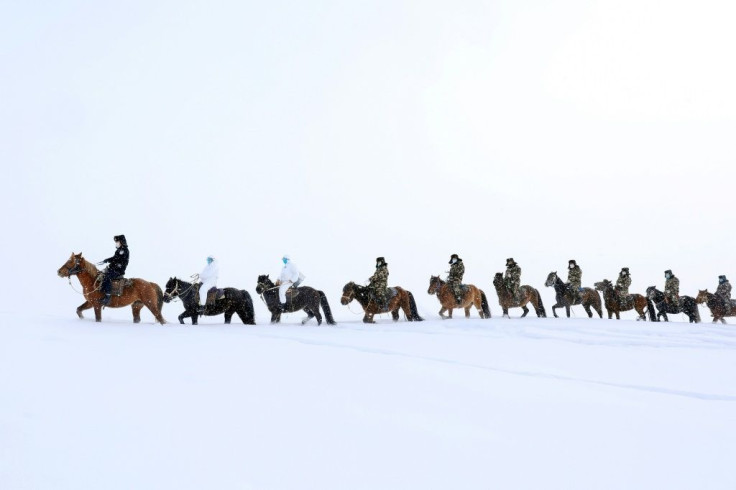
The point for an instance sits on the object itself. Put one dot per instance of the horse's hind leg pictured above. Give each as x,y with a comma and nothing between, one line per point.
526,310
567,310
587,310
467,311
84,306
137,307
395,315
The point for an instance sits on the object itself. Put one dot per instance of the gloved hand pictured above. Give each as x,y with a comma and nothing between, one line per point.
102,263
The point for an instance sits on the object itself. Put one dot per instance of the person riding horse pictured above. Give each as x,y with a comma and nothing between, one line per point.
116,268
378,282
455,276
208,278
671,288
290,277
512,277
574,279
623,283
724,292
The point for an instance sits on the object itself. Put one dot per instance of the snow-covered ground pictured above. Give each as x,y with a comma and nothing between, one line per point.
457,404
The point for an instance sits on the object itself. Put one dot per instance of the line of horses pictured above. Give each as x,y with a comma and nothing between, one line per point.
231,301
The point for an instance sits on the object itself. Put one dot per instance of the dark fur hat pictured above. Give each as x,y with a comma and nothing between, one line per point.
454,256
510,261
572,261
722,279
121,239
668,272
380,261
625,269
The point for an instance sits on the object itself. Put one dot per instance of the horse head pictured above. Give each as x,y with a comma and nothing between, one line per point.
348,293
652,292
435,283
172,289
74,265
603,285
702,296
498,279
264,284
551,279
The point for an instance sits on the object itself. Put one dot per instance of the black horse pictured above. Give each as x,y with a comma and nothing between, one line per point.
233,301
304,298
687,305
588,297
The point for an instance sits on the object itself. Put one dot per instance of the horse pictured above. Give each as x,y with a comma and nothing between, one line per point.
588,297
472,296
614,303
304,298
233,301
139,294
687,305
402,299
528,295
716,305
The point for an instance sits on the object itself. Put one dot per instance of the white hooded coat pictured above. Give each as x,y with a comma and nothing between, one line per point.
289,275
208,278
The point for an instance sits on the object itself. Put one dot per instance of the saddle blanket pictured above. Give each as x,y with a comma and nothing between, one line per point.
214,294
119,285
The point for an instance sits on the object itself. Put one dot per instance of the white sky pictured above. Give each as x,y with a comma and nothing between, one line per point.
341,131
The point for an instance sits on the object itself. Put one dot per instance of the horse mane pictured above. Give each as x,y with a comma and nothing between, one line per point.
89,267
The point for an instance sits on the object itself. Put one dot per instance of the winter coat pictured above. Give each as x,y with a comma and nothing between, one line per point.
210,273
118,262
622,284
724,291
512,278
457,270
289,273
379,280
672,289
575,277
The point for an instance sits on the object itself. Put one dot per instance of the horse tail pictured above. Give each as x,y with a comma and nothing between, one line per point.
542,312
326,308
484,304
250,314
650,309
159,298
697,312
413,308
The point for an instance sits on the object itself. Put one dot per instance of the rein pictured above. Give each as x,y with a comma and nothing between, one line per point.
178,296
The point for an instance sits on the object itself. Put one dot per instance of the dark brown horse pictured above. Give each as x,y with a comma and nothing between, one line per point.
527,294
141,293
564,297
716,305
401,300
616,304
472,296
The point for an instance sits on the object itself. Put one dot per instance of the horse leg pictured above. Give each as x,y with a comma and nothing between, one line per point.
395,315
98,313
467,312
228,316
586,306
505,312
84,306
554,307
368,318
182,317
316,312
567,310
137,307
525,309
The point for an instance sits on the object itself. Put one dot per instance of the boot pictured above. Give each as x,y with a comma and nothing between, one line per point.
106,300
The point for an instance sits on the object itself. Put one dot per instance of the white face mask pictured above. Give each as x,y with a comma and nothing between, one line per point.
118,244
454,261
572,266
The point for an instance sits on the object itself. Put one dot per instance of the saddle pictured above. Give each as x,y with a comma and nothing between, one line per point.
119,285
214,294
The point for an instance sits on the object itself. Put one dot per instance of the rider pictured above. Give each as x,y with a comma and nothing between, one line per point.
512,277
623,282
116,268
455,276
574,277
724,292
378,282
290,276
208,278
671,288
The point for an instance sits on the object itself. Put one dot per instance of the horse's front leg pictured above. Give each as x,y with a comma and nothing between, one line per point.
554,307
567,310
368,318
84,306
98,313
526,310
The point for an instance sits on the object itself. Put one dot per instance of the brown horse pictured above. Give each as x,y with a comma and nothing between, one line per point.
615,304
527,294
716,305
472,296
402,299
141,293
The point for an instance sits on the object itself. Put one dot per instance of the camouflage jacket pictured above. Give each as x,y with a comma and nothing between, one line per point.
575,277
379,279
622,283
724,290
457,270
672,288
512,278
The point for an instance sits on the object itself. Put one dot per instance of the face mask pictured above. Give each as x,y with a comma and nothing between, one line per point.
572,266
454,261
284,260
118,244
209,260
667,276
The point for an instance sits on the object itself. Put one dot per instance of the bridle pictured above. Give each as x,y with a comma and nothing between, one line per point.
174,294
